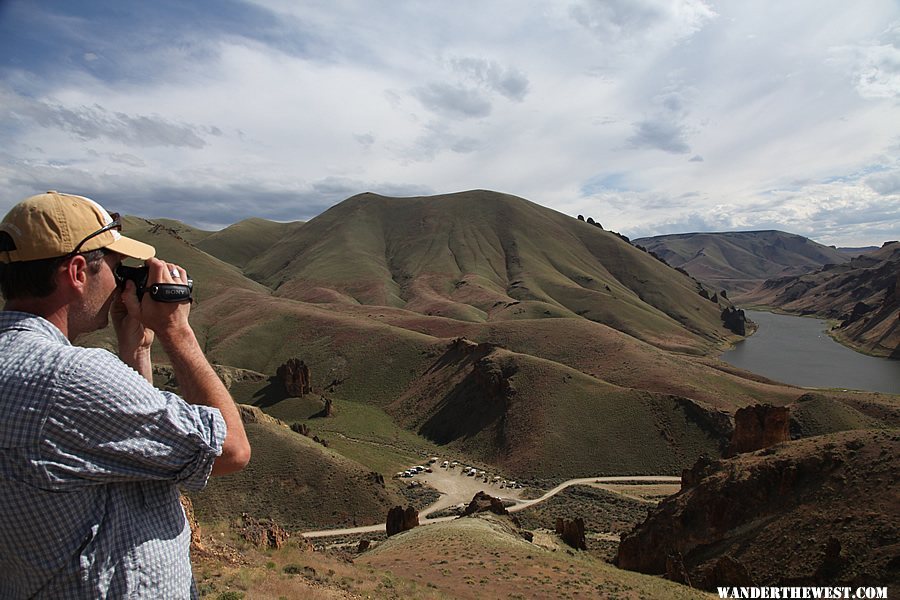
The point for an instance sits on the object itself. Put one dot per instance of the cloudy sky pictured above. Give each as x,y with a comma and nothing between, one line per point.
652,116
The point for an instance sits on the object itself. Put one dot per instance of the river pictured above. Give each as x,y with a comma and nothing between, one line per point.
797,350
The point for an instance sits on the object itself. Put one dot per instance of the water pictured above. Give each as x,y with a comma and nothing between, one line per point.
797,350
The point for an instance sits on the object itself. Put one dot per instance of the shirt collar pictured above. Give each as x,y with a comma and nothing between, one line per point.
12,320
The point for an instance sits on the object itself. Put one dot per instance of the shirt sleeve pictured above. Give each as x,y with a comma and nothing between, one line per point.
109,424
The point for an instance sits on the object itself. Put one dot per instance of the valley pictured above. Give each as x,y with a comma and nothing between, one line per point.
489,330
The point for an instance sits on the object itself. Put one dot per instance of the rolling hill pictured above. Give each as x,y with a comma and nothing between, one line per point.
622,360
484,557
239,243
739,261
481,257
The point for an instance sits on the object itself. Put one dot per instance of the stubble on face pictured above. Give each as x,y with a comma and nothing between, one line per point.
93,312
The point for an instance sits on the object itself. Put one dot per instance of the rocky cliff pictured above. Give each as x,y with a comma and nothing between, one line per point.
818,511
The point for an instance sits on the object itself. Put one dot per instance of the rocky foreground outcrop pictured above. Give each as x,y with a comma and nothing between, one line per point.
759,426
400,520
263,533
572,532
483,502
817,511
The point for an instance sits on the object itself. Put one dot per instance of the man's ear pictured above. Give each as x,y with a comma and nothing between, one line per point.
73,274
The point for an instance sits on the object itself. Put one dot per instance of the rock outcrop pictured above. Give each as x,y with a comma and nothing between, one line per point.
816,511
327,409
734,320
492,378
483,502
295,376
301,428
572,532
165,375
254,414
264,533
399,520
759,426
703,467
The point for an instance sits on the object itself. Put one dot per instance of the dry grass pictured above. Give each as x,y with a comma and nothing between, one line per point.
484,558
298,483
293,571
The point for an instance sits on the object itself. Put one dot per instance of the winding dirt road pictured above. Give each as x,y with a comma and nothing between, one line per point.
456,492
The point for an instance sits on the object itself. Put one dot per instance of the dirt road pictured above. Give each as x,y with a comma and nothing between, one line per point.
457,488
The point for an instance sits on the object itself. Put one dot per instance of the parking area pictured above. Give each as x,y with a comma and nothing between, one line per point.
458,487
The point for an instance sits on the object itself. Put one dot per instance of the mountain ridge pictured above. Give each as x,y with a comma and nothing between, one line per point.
738,261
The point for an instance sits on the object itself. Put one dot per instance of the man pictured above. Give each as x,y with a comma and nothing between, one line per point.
92,455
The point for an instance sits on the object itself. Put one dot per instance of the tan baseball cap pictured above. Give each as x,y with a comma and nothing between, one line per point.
54,224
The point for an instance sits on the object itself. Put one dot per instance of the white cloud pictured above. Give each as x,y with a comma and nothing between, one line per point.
875,64
507,81
643,114
453,100
626,25
886,184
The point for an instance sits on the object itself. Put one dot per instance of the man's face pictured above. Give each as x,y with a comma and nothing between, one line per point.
99,294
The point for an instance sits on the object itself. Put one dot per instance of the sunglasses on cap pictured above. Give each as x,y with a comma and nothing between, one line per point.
115,224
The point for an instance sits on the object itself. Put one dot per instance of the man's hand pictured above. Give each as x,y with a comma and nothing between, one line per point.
167,319
134,339
136,321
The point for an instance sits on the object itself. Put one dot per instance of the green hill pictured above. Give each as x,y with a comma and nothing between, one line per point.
584,389
481,256
239,243
539,418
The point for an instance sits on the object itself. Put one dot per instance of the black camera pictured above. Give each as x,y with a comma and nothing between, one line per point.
161,292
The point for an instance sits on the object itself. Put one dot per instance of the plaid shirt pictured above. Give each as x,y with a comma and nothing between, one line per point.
91,460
